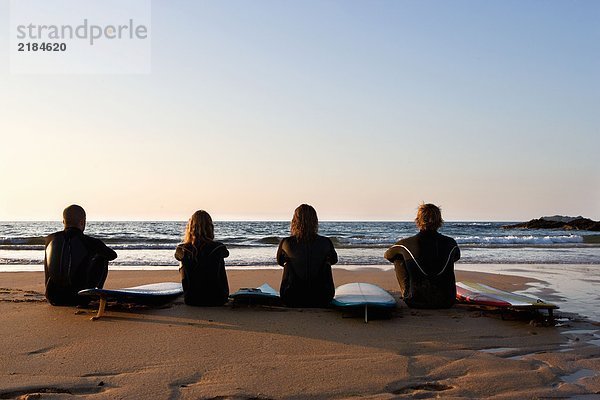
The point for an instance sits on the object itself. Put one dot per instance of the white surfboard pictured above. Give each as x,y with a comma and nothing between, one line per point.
363,295
154,293
479,294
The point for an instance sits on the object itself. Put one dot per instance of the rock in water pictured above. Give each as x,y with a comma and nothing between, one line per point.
577,223
561,218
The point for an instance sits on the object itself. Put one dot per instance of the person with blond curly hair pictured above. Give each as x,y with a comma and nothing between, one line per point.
424,263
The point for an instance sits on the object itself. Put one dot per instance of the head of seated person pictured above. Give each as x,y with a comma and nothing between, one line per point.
74,217
305,224
429,218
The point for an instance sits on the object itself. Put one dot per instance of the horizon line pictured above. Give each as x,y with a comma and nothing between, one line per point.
253,220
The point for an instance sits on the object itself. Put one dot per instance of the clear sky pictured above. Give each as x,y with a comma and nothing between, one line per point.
490,109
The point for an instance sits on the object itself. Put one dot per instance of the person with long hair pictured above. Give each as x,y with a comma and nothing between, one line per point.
202,262
306,258
424,263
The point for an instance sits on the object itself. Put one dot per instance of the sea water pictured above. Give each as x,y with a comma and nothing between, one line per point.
148,244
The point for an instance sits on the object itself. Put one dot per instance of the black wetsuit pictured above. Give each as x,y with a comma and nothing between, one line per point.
307,277
424,266
203,273
73,262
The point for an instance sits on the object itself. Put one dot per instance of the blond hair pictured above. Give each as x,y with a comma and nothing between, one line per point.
199,228
305,224
429,217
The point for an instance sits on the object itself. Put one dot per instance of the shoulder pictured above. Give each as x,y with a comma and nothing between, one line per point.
402,241
403,245
217,245
324,239
185,247
447,239
95,242
407,240
184,251
91,239
208,245
286,240
53,236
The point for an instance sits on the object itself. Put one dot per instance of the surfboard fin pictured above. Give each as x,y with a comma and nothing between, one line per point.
101,309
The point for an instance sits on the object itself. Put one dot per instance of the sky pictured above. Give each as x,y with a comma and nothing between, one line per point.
363,109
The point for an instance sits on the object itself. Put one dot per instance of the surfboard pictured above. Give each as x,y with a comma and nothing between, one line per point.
260,295
360,295
483,295
155,293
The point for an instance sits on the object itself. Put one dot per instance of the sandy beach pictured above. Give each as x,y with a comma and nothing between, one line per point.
178,351
237,137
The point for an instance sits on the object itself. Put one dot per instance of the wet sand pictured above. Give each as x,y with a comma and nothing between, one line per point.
184,352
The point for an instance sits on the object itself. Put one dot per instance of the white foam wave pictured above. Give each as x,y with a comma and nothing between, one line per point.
519,240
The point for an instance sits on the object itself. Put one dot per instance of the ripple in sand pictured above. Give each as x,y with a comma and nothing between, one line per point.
429,387
37,392
21,296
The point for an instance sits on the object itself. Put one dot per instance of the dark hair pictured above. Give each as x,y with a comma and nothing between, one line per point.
429,217
73,216
199,228
305,223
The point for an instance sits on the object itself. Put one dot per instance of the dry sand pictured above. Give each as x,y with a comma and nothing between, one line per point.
274,353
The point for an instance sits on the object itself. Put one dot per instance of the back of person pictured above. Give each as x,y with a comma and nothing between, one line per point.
74,261
307,276
428,259
203,273
424,263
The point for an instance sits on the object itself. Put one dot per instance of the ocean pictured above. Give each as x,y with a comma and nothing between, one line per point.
252,244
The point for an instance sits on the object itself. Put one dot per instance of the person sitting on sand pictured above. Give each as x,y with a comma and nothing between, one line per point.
74,261
424,263
306,258
202,261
